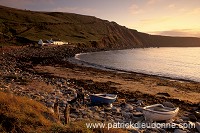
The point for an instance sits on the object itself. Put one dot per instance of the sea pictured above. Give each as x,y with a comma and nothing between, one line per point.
172,62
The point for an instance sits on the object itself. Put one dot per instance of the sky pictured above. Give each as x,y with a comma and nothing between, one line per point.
162,17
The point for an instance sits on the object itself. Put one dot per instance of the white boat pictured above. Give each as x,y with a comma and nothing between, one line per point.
158,112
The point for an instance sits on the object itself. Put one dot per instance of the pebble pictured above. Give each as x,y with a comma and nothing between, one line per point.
179,131
131,100
134,130
125,112
197,125
192,118
137,114
139,102
168,104
126,107
197,114
139,109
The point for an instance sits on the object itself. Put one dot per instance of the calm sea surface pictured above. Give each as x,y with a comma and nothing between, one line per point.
181,63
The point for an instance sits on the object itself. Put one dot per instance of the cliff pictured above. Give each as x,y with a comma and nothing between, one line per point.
24,26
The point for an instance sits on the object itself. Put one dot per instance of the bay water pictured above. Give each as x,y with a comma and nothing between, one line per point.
173,62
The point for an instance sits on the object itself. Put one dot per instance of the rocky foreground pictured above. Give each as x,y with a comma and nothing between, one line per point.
19,77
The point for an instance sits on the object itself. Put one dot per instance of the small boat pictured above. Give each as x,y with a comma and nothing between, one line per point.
102,98
158,112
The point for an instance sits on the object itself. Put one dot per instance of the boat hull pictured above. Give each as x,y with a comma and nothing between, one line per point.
102,98
159,115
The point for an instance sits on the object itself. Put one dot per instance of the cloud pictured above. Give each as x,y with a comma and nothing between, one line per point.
134,9
178,32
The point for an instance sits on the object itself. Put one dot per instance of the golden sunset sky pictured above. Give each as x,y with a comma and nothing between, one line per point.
164,17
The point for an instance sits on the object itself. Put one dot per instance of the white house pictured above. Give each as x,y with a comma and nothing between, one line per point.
54,42
59,42
40,42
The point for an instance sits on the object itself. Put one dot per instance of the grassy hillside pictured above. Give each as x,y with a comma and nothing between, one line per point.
18,114
23,26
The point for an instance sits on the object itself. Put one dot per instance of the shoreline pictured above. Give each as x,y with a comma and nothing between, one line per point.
29,58
73,60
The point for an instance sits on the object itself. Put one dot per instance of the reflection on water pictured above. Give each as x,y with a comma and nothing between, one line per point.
181,63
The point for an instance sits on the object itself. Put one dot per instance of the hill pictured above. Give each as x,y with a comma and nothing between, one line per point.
24,26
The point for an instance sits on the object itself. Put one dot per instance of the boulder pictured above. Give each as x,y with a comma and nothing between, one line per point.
168,104
197,125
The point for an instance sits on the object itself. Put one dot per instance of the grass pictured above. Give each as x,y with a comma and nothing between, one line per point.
24,27
20,114
42,25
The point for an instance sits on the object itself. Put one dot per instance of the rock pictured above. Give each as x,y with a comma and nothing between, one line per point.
197,114
102,112
131,100
62,103
107,108
72,115
192,118
179,121
51,110
140,102
179,131
163,94
162,130
84,112
139,109
126,107
184,118
118,120
197,125
94,108
49,104
168,104
134,130
138,114
137,119
116,109
127,115
97,117
151,130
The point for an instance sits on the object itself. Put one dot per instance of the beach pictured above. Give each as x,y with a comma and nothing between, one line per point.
44,69
40,61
